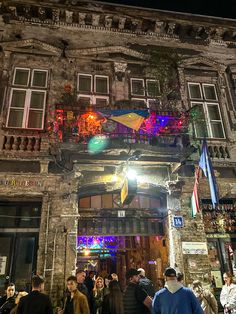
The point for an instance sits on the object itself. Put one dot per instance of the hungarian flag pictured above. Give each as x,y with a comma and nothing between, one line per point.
194,199
206,166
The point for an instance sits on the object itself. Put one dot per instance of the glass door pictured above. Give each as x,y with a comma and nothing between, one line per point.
20,250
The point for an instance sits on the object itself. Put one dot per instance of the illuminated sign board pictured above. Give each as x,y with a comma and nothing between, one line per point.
128,191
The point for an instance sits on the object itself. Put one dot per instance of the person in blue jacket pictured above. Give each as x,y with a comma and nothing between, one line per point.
174,298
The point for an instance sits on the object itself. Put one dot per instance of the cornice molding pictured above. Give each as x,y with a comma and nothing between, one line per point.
31,45
96,16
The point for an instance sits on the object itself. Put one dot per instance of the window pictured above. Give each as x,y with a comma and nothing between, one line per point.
93,90
145,92
27,99
112,200
204,98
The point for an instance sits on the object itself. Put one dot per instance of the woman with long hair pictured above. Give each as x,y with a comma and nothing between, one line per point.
99,292
228,294
113,302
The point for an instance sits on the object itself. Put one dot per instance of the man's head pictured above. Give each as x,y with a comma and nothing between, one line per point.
91,274
180,277
170,274
10,291
80,276
71,283
132,275
37,283
142,272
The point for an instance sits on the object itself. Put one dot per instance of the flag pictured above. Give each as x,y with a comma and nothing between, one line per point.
206,166
194,198
131,120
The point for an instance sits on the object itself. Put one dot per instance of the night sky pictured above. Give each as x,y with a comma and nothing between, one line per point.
218,8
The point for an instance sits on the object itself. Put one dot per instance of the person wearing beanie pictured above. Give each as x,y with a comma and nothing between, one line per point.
174,298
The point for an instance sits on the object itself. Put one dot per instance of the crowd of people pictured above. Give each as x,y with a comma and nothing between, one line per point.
93,294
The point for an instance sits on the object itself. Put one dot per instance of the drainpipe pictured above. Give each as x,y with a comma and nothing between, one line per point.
53,260
46,241
65,252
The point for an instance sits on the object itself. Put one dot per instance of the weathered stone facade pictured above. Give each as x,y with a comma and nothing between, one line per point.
66,38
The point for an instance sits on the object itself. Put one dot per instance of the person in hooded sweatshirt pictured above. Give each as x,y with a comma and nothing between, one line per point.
174,298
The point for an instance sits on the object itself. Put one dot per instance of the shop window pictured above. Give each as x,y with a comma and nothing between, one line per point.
28,99
204,98
135,202
96,201
20,215
221,219
93,90
112,201
144,92
144,201
107,201
84,202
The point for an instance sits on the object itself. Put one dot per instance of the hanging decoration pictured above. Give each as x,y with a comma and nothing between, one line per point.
86,125
69,121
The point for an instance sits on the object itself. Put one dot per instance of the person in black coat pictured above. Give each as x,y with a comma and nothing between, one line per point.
7,302
35,302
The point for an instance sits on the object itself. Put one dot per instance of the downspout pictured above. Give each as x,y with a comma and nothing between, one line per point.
46,241
53,260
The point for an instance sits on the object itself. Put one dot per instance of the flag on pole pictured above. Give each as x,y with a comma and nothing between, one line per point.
206,165
194,198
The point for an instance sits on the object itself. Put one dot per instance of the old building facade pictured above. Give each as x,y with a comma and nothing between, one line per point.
89,91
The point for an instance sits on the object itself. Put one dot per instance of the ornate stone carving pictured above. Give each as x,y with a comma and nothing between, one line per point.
121,24
158,27
69,16
108,21
42,13
82,17
95,19
120,68
171,28
56,15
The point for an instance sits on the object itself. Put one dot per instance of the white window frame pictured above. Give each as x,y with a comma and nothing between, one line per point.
93,95
46,81
151,80
189,90
95,85
205,104
213,85
140,99
29,89
149,100
91,84
209,121
143,84
14,76
146,98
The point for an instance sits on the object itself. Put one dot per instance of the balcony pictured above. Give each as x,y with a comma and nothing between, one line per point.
23,143
114,129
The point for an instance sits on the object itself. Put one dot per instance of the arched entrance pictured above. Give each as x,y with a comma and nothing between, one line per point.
112,238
